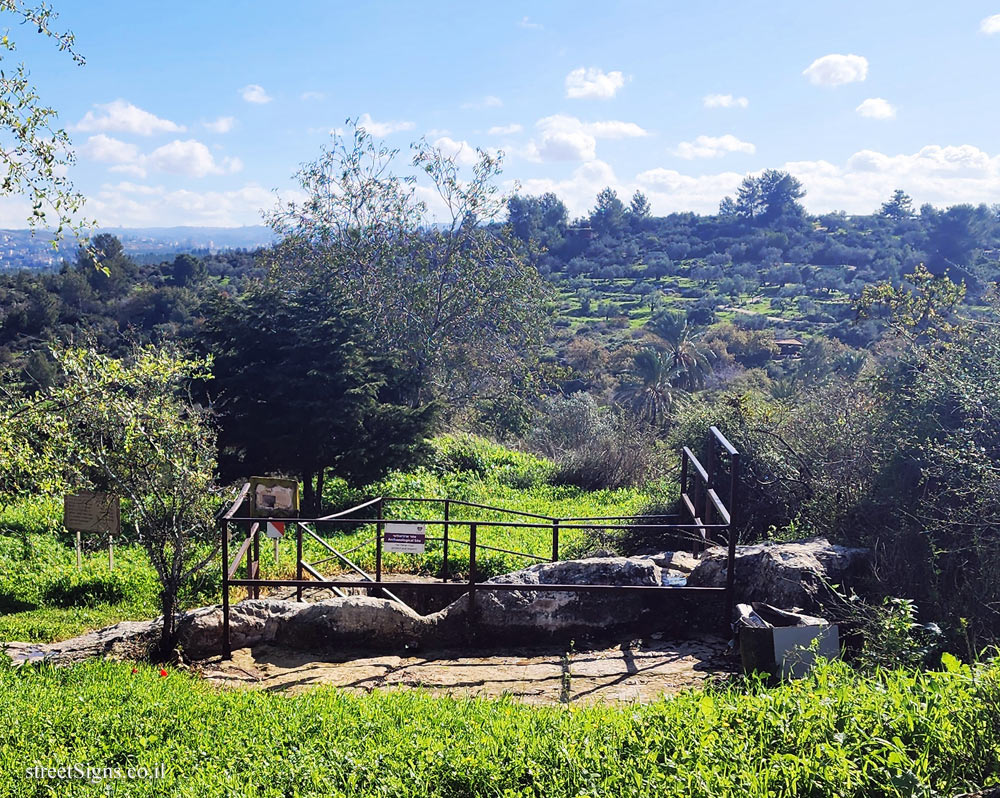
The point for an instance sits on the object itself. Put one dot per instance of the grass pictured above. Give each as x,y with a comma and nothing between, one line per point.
832,734
44,598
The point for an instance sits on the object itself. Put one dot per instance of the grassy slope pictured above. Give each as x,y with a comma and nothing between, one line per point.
44,598
833,734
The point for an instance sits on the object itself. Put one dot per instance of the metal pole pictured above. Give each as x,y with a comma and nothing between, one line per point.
227,652
111,552
444,555
472,572
734,478
255,565
555,539
298,561
79,560
378,549
684,476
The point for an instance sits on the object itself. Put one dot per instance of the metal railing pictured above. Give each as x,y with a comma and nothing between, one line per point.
704,517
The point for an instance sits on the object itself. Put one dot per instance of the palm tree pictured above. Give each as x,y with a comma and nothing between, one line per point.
652,396
689,362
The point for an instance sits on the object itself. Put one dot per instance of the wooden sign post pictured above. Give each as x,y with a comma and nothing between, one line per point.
91,511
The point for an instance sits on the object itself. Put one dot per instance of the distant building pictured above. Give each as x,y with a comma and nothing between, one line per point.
789,347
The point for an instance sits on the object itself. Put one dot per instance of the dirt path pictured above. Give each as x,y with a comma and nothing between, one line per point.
638,670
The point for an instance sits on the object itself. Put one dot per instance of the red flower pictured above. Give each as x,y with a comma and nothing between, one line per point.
163,672
135,670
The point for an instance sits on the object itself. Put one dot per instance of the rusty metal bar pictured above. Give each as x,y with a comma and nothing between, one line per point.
515,524
319,577
237,561
502,586
469,504
555,540
734,477
378,548
699,469
342,513
502,551
298,560
730,449
472,572
444,556
237,503
720,508
227,650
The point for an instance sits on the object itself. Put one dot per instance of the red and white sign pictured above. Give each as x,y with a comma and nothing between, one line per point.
276,529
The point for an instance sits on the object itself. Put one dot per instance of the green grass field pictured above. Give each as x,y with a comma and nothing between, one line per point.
44,598
832,734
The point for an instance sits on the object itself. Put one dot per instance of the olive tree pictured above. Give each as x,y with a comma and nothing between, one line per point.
131,429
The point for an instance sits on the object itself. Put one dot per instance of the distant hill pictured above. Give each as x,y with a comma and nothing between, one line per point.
19,249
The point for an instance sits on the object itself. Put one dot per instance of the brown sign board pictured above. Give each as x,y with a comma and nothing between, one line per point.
90,511
271,497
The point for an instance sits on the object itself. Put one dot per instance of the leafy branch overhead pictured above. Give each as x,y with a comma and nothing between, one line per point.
34,152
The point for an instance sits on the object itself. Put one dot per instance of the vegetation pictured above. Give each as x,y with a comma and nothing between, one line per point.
895,733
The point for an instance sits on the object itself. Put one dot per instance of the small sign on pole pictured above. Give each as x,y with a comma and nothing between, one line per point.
405,538
92,511
271,497
275,529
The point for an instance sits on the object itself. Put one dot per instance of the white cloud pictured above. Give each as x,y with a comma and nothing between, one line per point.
128,204
566,138
528,24
836,69
990,25
380,129
191,158
134,169
489,101
221,125
593,84
106,149
125,117
877,108
309,96
724,101
670,191
253,93
579,190
463,153
713,147
505,130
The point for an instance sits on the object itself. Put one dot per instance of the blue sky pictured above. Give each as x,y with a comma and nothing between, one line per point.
195,113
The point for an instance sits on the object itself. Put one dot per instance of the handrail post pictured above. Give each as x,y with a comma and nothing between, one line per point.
227,651
684,477
378,548
444,554
734,477
555,540
255,565
298,561
472,572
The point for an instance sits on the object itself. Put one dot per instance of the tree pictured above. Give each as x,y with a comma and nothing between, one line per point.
298,391
689,363
608,215
638,209
652,396
453,299
130,428
34,155
766,199
898,207
540,220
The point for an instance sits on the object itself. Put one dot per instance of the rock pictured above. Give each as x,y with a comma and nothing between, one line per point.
592,571
786,575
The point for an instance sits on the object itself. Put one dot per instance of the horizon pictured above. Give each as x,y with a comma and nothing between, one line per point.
200,119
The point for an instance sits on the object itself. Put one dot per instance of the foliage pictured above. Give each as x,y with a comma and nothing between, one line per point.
298,390
454,299
131,430
835,733
35,153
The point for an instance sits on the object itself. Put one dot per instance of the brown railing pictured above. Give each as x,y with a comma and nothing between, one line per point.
704,517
